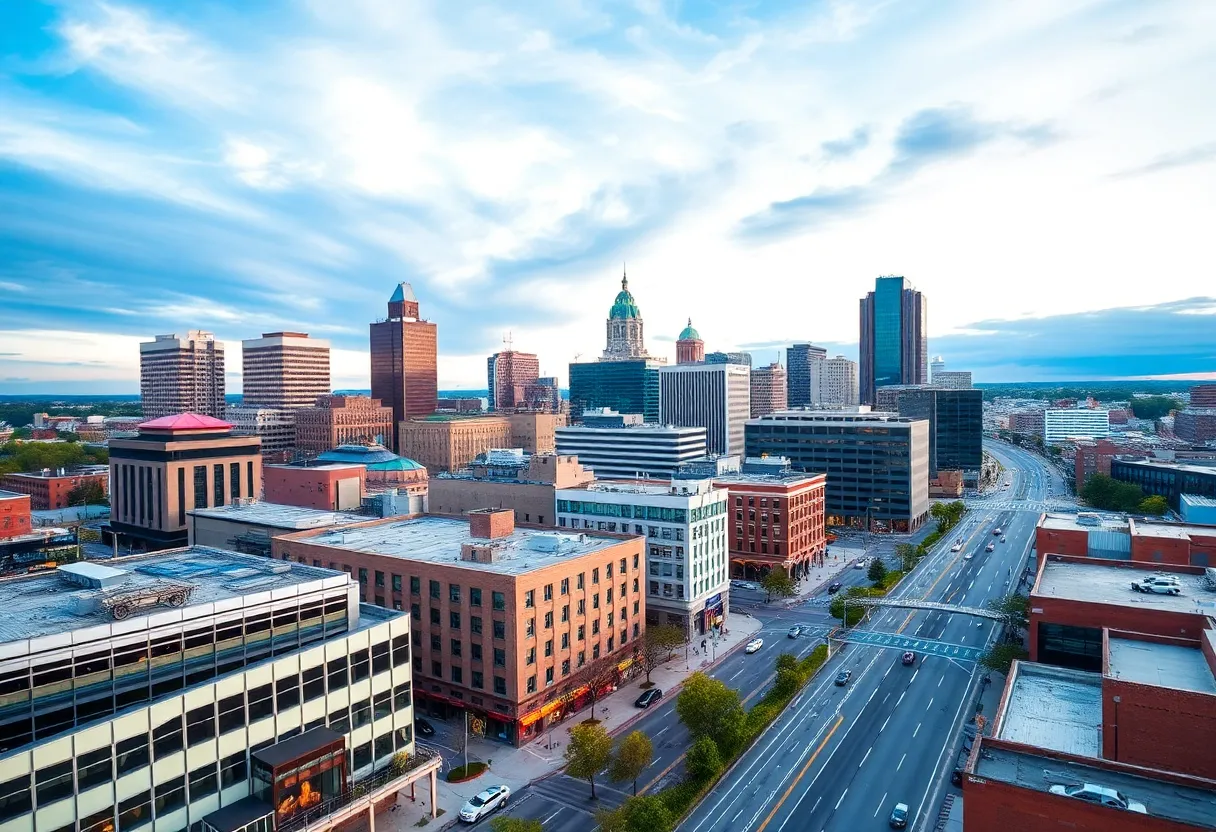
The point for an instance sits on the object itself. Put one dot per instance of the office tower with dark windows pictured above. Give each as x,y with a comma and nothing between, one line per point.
404,360
804,374
956,427
894,346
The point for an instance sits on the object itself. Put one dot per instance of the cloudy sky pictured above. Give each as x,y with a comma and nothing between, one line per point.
1044,170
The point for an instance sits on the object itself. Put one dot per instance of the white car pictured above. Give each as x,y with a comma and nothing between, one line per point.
753,645
483,803
957,547
967,556
1100,795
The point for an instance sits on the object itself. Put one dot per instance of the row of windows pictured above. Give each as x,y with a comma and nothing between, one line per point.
498,600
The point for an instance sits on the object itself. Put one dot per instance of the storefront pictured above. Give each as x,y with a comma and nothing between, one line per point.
713,615
300,773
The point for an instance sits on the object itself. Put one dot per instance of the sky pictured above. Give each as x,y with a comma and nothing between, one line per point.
1044,171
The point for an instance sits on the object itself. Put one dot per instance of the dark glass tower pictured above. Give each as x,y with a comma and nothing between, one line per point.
894,347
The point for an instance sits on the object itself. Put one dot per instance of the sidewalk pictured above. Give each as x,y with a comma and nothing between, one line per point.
517,767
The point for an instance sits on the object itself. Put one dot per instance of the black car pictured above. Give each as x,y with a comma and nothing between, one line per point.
648,698
843,678
423,728
834,586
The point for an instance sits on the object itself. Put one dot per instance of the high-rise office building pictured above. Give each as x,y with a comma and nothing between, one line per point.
284,369
839,382
716,397
937,365
956,427
894,346
404,360
509,374
768,390
1062,424
690,349
182,374
804,374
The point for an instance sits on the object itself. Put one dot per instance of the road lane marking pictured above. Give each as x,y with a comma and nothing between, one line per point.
790,788
660,733
901,699
930,705
866,757
881,803
940,679
901,762
841,800
917,731
913,679
552,816
884,724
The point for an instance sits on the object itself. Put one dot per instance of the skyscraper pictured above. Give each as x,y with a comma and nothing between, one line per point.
182,374
690,349
839,382
508,377
716,397
804,363
937,365
404,356
768,390
894,347
284,369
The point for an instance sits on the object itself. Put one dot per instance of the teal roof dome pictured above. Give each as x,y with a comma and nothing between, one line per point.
624,306
689,334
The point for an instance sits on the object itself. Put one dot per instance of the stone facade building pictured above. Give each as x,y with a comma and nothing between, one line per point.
342,420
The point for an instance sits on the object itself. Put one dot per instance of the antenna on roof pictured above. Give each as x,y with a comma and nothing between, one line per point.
507,339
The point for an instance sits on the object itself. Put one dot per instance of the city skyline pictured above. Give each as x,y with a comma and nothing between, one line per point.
167,172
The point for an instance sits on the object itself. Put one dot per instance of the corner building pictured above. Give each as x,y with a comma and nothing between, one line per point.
507,623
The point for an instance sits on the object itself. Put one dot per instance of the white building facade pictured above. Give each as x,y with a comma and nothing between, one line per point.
716,397
646,451
839,382
1063,424
275,425
684,523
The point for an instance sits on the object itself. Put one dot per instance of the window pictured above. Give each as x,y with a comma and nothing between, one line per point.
218,483
436,642
500,629
549,648
500,685
396,583
531,684
457,675
479,681
530,629
499,600
380,657
454,620
595,575
434,587
565,613
200,486
548,592
435,616
133,752
203,782
595,627
454,593
401,651
579,585
475,652
595,651
548,621
530,599
200,724
233,769
475,624
167,737
595,601
565,640
415,585
548,676
582,658
582,607
415,612
94,768
379,579
361,713
582,632
402,696
54,782
500,657
565,589
170,796
474,597
362,576
456,648
335,669
531,656
314,683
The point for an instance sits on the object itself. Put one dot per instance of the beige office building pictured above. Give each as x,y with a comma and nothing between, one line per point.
284,369
510,479
446,443
769,392
182,374
342,420
839,382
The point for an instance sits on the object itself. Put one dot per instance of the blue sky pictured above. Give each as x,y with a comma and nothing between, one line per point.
1045,171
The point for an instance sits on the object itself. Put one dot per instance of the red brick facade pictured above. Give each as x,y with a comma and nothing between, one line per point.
775,524
14,515
50,492
313,487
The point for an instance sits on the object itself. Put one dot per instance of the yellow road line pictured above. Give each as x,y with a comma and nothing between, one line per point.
788,791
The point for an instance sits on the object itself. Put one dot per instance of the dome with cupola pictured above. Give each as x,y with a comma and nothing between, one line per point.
689,334
624,307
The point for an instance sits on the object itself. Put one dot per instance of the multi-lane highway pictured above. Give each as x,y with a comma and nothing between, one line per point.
842,757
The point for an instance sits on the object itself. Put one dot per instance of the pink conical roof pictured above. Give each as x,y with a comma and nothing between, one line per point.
186,421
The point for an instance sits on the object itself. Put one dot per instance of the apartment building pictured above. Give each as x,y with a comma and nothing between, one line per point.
51,488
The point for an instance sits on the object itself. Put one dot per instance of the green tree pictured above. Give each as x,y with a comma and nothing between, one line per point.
1000,657
787,661
657,644
856,612
637,814
906,553
708,708
632,757
1106,493
503,823
878,571
89,492
787,682
1015,607
588,753
704,760
1154,505
1154,407
778,583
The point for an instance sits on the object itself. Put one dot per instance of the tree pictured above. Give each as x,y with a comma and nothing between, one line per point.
708,708
503,823
657,644
588,753
856,612
632,757
787,661
787,682
1000,656
1015,608
704,760
778,583
878,571
1155,505
1153,407
599,674
1105,492
637,814
89,492
906,553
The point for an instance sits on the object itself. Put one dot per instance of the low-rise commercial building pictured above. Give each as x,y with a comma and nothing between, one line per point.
647,451
332,486
14,514
51,488
1072,423
1114,538
447,443
1197,510
509,622
684,524
526,484
1166,479
249,527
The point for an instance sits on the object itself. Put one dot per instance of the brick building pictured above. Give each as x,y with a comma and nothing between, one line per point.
334,486
385,471
535,433
509,479
774,519
342,420
404,360
1147,542
14,514
690,349
1203,396
768,390
463,405
1027,422
249,527
446,443
508,376
49,488
508,622
1093,457
1195,426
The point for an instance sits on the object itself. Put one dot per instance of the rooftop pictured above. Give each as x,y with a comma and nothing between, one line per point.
45,603
645,427
1197,501
1163,798
12,495
279,516
186,421
1163,665
430,539
1055,708
375,457
787,478
685,488
1097,583
1075,522
1189,468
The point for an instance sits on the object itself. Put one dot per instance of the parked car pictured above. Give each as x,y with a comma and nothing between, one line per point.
989,548
423,728
794,631
834,587
483,803
843,678
1158,584
648,698
899,816
909,657
753,645
1100,795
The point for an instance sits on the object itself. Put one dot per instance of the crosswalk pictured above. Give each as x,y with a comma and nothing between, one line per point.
919,645
1021,505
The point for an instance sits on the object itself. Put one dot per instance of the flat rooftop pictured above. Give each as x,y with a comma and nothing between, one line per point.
1103,584
10,495
1178,531
45,603
1054,708
279,516
1069,522
1162,798
790,478
1164,665
428,539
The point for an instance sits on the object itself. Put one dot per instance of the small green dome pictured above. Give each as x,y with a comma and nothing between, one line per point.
624,306
689,334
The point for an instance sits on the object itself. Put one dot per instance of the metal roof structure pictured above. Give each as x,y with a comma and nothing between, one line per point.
1054,708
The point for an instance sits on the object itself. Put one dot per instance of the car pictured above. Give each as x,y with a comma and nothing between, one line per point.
997,531
753,645
989,548
423,728
834,586
957,547
861,564
1002,538
909,657
648,698
484,802
794,631
1158,584
843,677
899,816
968,556
1101,795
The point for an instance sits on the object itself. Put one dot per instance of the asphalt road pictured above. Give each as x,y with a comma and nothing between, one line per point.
841,757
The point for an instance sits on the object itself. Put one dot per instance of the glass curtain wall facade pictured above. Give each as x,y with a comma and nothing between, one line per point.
623,386
894,345
956,426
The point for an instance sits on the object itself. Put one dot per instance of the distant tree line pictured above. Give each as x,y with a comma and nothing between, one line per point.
1154,407
1101,390
23,457
21,413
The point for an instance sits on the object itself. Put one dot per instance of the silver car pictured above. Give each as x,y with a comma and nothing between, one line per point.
483,803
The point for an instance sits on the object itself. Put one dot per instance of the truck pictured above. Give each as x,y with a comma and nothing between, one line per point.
1158,584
